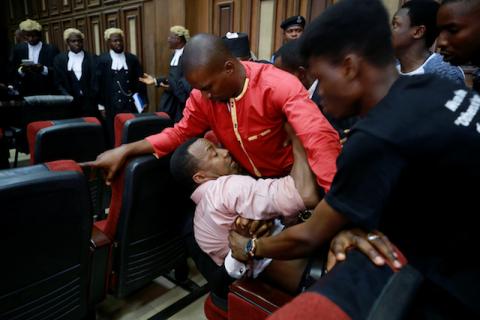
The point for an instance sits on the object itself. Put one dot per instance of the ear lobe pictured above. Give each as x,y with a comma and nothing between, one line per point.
419,32
302,73
199,177
229,66
351,66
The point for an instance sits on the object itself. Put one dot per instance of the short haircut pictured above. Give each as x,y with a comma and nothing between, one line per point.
291,57
183,165
349,26
424,12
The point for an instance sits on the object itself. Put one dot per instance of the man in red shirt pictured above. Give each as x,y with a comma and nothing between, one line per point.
246,105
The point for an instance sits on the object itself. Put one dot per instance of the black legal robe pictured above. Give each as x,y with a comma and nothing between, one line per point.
116,87
173,99
83,91
33,83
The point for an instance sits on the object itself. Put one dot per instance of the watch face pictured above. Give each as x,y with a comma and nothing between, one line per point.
249,246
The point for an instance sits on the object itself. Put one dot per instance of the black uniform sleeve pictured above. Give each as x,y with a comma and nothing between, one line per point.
60,75
367,171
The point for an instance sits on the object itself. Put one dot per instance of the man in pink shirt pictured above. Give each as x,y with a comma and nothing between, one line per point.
222,195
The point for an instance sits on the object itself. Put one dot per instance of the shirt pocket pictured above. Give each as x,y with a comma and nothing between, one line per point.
260,135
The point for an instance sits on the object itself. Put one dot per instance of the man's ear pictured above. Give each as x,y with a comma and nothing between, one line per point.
229,66
301,73
419,32
200,177
351,66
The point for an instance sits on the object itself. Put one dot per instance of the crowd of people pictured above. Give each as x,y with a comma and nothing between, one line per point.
365,121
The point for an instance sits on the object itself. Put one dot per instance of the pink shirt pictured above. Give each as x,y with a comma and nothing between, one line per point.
221,201
270,97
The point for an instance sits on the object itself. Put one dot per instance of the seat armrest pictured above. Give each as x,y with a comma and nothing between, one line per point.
258,294
100,252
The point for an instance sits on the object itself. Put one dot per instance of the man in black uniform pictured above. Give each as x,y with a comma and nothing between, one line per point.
408,168
117,75
32,62
292,29
176,87
75,74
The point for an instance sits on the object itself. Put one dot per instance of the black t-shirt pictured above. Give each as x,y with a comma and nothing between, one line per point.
411,168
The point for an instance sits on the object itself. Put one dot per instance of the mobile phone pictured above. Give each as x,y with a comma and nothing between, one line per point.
27,62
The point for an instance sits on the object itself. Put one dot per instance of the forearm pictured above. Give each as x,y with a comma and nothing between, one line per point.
305,180
303,239
137,148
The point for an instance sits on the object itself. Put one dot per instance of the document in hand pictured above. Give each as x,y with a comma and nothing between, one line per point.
139,102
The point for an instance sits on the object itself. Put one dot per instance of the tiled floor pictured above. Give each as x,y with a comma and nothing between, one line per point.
144,304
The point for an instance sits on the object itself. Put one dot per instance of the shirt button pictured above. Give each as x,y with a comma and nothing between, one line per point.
119,100
119,91
128,81
126,72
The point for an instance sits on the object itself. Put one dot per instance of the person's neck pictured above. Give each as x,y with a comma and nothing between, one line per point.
378,82
413,58
242,76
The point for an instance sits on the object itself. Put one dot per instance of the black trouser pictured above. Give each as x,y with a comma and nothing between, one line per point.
4,154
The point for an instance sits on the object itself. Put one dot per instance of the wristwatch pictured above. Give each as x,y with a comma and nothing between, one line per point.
250,247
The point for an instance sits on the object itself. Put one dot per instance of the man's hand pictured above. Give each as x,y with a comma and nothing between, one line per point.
252,228
164,85
110,161
237,245
374,244
147,79
343,140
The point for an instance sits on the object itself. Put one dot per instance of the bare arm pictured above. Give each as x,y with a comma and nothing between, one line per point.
305,180
297,241
112,160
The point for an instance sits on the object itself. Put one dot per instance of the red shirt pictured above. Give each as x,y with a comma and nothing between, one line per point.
270,97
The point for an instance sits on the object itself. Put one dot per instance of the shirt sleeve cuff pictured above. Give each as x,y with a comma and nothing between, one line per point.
45,71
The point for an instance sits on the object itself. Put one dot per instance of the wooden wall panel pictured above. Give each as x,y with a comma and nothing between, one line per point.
112,19
93,3
223,17
95,34
56,34
43,8
53,7
66,6
78,4
132,22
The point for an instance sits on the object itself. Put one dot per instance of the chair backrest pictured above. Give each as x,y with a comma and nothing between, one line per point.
146,219
357,289
80,139
45,211
131,127
47,107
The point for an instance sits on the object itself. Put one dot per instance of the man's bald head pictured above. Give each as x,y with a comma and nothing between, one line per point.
210,67
205,51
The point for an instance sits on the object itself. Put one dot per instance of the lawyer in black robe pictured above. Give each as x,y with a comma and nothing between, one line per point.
80,84
117,74
36,76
